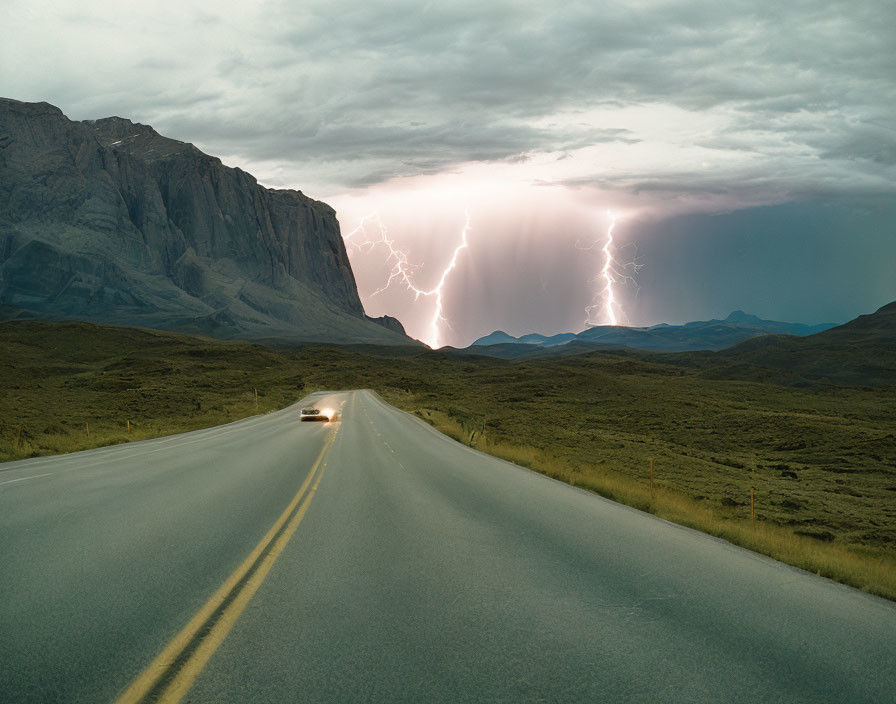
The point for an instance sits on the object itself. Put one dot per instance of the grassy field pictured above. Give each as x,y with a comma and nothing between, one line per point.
821,459
73,386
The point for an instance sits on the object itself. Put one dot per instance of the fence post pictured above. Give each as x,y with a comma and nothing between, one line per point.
19,436
87,427
129,426
752,510
651,477
256,399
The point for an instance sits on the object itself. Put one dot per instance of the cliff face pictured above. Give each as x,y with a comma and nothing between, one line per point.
109,221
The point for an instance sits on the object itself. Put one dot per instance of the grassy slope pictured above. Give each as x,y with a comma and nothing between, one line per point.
61,377
822,459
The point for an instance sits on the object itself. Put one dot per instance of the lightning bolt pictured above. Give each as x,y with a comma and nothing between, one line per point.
361,225
605,307
403,270
437,316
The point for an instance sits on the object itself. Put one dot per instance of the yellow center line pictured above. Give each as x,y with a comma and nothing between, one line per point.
170,675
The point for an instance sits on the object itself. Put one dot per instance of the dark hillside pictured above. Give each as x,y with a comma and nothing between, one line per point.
860,352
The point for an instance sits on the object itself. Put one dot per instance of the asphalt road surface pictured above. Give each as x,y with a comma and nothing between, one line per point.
373,559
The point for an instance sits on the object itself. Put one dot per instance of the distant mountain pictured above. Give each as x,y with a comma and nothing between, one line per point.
498,337
860,352
108,221
702,335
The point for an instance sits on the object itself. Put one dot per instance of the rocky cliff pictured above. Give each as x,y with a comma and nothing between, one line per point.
109,221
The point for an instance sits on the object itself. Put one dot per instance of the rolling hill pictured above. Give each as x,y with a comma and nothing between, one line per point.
860,352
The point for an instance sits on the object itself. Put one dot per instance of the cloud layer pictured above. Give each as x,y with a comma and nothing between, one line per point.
659,98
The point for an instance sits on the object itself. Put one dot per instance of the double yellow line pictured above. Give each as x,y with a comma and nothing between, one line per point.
173,672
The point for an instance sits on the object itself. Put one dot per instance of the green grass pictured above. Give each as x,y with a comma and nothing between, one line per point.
868,568
821,458
62,380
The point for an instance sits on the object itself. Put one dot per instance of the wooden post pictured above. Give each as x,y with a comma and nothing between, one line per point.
19,436
651,476
87,427
129,426
752,510
256,399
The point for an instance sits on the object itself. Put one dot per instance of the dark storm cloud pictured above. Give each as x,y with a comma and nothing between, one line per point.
404,149
365,91
816,261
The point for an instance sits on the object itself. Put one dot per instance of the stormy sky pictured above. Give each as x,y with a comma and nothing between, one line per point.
747,149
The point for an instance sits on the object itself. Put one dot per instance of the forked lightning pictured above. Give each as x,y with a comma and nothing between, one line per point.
605,308
403,270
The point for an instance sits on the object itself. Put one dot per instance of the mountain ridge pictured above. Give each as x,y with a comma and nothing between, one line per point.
861,352
693,336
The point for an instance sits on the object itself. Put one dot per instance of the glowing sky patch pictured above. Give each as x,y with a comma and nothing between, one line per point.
402,270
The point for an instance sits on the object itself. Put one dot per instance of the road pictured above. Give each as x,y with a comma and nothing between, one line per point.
374,559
